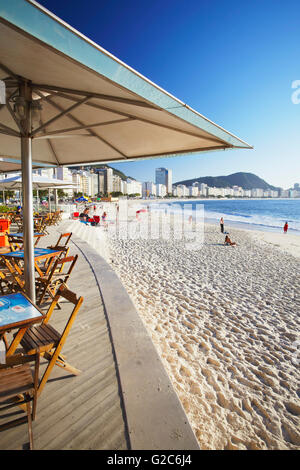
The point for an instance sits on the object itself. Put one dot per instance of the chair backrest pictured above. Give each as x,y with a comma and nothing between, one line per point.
71,297
66,237
60,266
15,243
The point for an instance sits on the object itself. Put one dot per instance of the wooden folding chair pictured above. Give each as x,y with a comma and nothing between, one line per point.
19,222
40,226
49,341
62,246
14,275
60,273
15,243
7,283
18,386
63,240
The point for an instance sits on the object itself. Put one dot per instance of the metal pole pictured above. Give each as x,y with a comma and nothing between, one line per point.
26,157
49,200
38,200
55,198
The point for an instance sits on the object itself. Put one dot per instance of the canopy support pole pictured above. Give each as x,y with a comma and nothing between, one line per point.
26,158
55,198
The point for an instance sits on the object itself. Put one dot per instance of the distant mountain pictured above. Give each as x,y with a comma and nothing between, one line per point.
244,180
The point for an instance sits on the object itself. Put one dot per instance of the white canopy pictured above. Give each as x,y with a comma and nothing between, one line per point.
94,108
9,165
38,182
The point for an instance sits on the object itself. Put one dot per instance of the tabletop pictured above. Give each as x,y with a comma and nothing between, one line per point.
21,235
38,253
16,310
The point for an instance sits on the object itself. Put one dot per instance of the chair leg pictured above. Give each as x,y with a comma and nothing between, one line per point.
29,425
60,362
55,359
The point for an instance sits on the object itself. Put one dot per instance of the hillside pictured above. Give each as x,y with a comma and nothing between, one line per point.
244,180
115,171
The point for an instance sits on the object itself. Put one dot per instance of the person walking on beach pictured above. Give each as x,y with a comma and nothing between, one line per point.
285,228
222,224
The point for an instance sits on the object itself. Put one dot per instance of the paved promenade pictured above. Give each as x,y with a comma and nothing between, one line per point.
123,399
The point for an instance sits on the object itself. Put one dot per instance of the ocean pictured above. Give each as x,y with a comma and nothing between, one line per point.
259,214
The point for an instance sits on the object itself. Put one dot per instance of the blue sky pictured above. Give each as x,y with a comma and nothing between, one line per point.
232,61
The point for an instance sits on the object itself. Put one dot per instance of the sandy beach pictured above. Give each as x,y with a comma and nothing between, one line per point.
225,323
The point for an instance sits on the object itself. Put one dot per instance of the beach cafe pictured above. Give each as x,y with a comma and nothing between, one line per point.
66,101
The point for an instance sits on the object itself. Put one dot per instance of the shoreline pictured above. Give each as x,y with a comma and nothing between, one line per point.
241,224
288,243
224,322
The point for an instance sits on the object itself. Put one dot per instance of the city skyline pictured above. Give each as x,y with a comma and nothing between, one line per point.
249,86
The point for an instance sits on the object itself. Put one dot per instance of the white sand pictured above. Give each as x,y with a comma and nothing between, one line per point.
225,322
289,243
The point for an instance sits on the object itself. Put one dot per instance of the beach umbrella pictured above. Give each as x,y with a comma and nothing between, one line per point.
64,100
38,182
12,165
82,199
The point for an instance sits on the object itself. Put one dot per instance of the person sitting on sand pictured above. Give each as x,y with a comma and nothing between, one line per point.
228,241
84,216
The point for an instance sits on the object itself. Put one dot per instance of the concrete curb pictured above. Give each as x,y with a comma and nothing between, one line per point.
155,417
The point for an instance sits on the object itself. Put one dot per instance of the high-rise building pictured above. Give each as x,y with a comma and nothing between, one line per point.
164,176
107,180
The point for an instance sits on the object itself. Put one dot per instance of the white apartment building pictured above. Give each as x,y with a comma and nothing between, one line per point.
63,173
134,187
193,191
161,190
183,190
124,187
284,193
203,189
257,192
117,183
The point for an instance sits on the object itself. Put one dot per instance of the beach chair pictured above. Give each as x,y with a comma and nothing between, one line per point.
7,283
61,245
14,275
19,222
59,273
18,386
48,340
63,240
15,243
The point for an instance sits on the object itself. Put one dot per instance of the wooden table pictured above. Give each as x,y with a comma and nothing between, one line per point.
17,312
39,254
